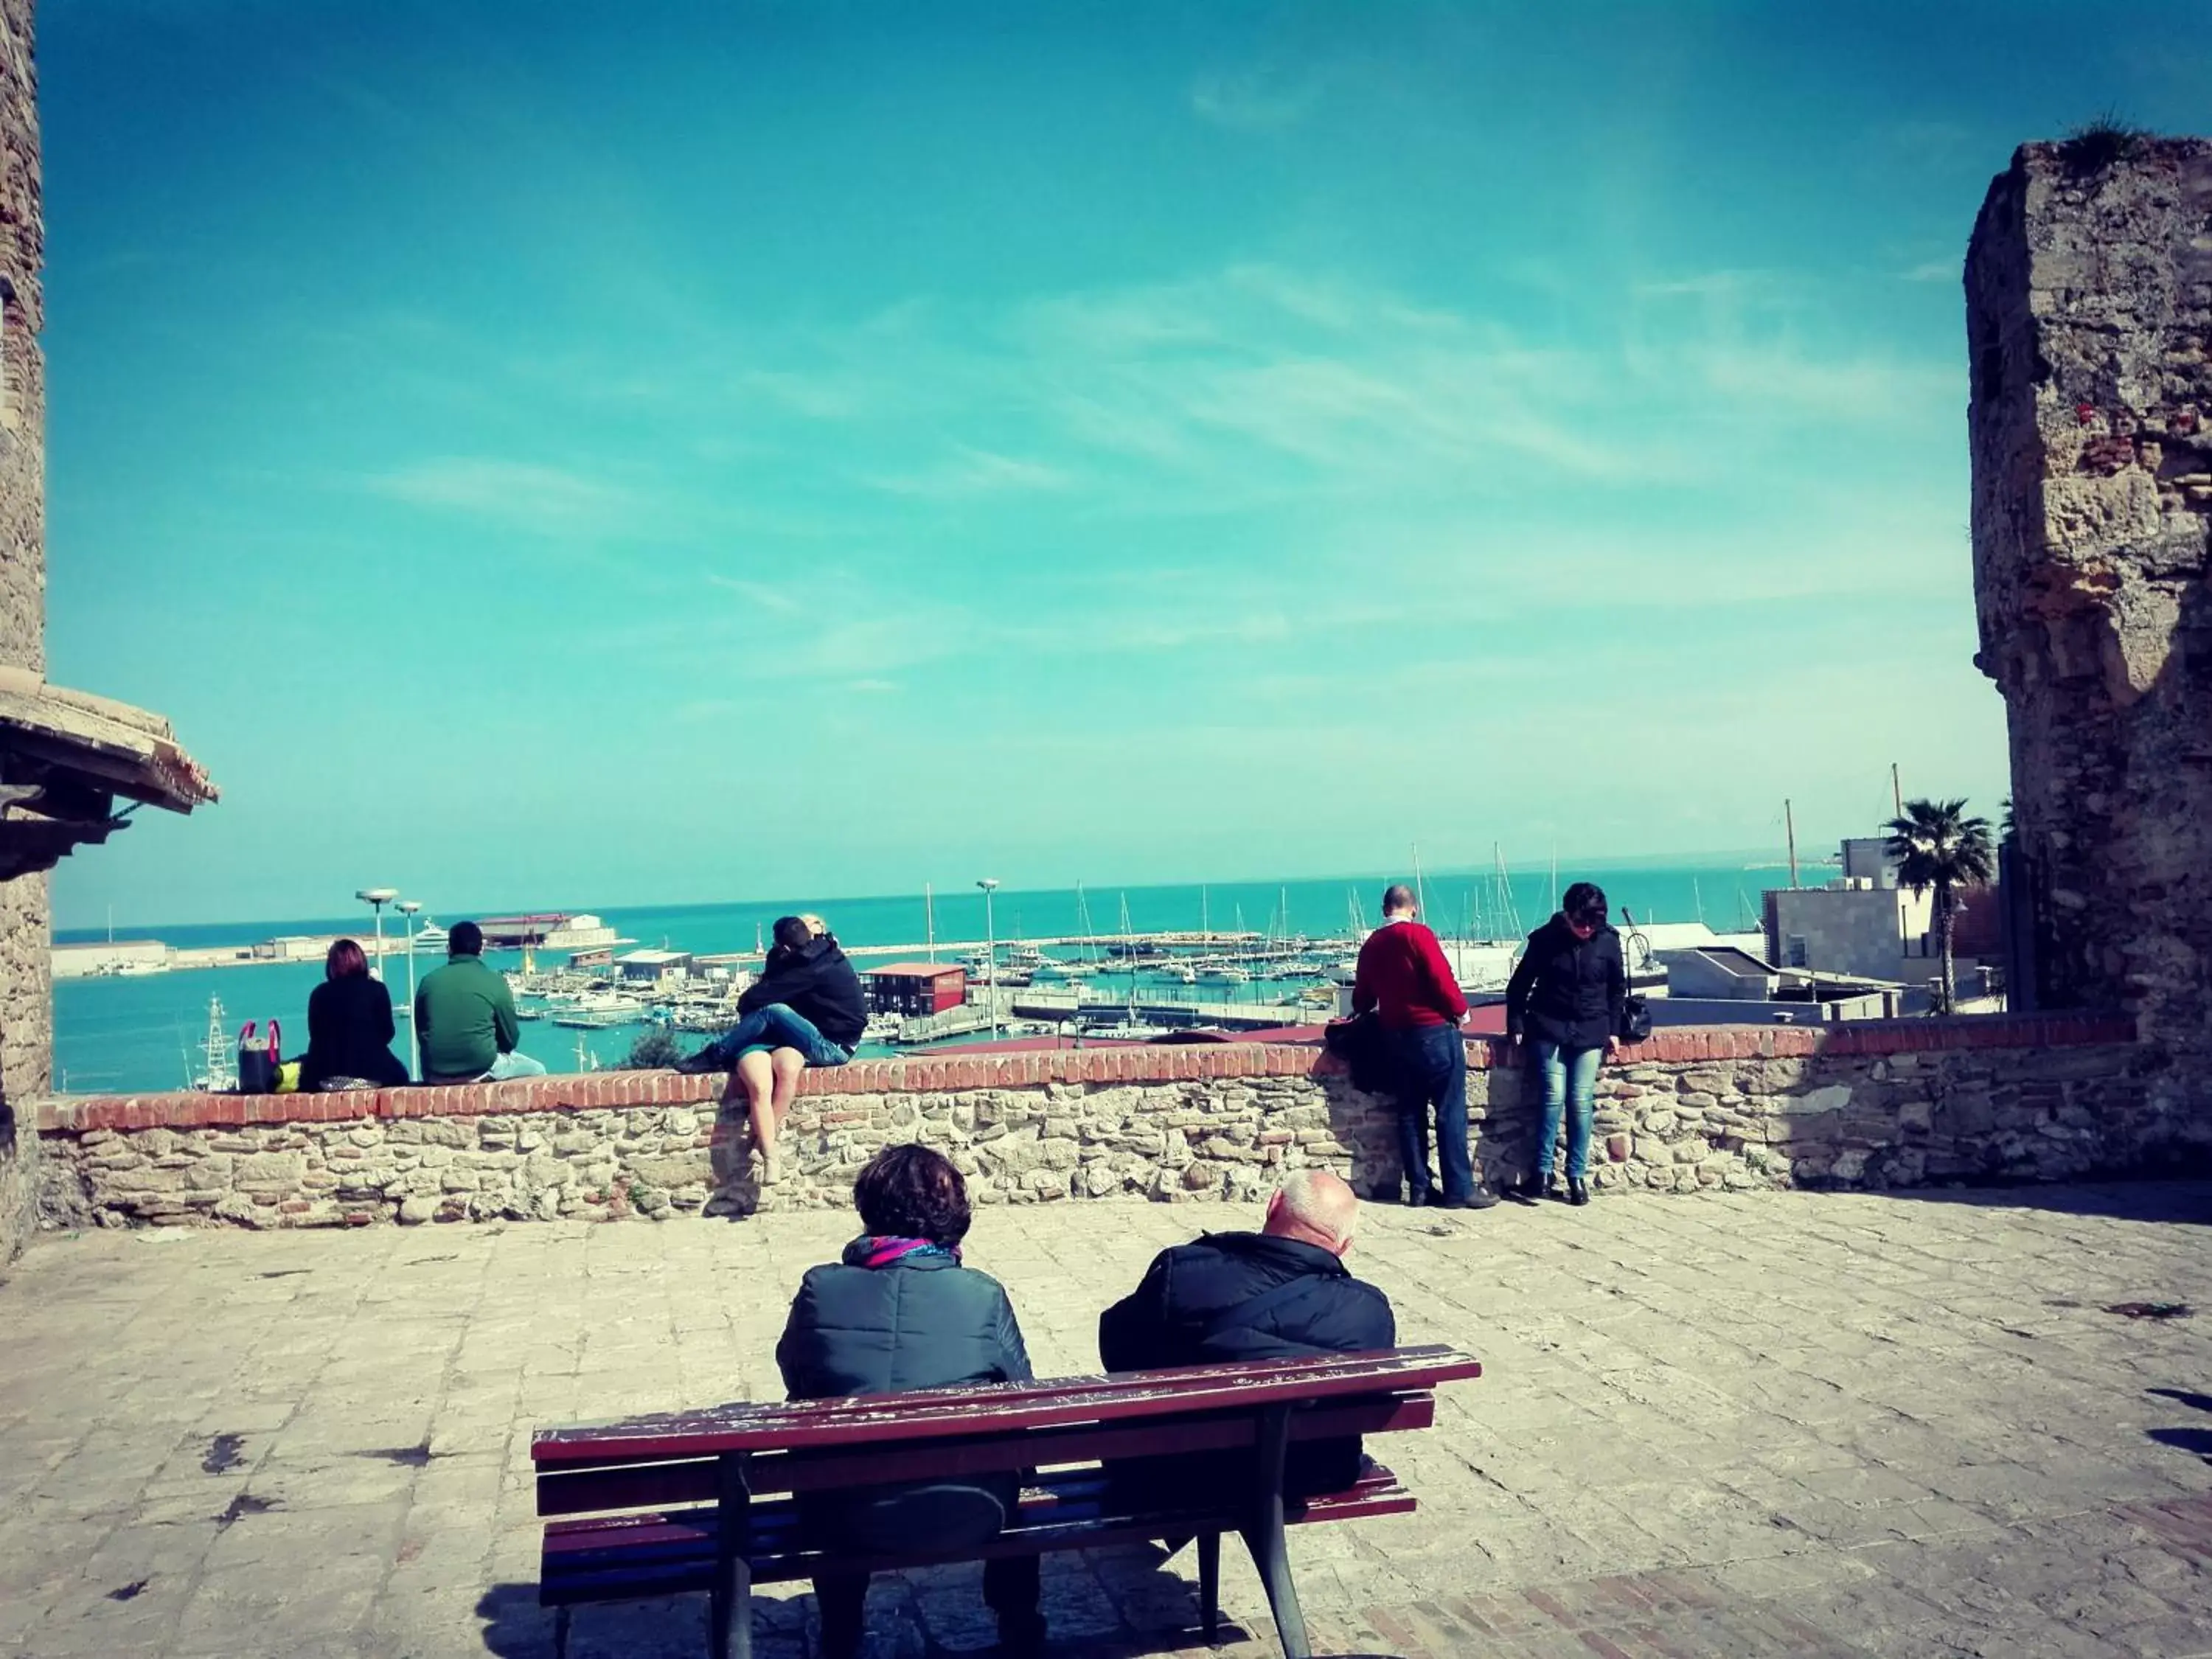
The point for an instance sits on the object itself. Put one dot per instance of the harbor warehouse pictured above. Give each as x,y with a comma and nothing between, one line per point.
916,988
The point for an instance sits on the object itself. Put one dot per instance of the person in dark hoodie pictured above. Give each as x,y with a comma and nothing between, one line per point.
1565,1004
350,1028
899,1311
1282,1292
806,1009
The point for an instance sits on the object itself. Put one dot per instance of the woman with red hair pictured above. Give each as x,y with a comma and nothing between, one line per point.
349,1026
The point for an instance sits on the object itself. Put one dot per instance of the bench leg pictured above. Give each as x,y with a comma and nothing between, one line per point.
1264,1537
1273,1563
733,1611
730,1613
1209,1586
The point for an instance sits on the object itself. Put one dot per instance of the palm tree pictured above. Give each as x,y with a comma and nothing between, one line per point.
1938,847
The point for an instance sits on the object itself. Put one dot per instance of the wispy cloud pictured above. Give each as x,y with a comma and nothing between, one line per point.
523,495
759,593
1933,270
1261,100
970,472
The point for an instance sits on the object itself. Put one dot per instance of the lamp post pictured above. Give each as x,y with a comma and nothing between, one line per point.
990,954
378,897
407,908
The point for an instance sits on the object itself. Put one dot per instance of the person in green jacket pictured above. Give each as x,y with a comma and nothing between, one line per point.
465,1017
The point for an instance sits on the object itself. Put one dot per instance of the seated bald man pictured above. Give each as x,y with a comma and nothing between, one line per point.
1282,1292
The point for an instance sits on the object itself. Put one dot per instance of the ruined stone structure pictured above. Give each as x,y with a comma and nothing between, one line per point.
25,994
1871,1105
2089,321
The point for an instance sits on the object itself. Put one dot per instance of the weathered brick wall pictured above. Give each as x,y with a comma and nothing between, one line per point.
26,996
2089,319
1876,1106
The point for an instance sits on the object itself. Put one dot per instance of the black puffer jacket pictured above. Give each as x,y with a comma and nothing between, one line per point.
816,980
1182,1314
922,1321
1570,990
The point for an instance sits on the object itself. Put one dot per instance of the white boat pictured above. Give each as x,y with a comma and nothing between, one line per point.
220,1076
139,969
431,937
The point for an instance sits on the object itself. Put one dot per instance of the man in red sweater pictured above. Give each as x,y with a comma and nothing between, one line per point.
1404,977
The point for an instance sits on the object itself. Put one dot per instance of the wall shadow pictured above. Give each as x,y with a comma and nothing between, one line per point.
2185,1202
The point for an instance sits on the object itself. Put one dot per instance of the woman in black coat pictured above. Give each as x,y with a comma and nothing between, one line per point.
1565,1004
350,1028
899,1311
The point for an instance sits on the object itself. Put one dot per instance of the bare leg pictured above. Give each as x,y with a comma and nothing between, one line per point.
757,1077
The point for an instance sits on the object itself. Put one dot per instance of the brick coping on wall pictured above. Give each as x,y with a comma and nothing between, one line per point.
945,1073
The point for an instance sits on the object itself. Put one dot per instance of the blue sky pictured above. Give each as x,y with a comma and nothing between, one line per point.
555,454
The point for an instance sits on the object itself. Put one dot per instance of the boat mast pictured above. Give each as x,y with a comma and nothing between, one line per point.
1420,893
929,917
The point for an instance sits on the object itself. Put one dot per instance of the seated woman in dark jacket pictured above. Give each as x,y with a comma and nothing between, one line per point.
349,1026
900,1312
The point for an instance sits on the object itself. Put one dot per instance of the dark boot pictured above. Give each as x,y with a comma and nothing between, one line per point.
1577,1192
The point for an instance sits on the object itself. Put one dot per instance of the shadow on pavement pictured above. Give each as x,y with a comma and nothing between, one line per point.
2190,1438
2189,1202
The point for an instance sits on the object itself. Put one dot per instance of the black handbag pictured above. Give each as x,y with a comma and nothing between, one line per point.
1362,1044
1634,1019
257,1066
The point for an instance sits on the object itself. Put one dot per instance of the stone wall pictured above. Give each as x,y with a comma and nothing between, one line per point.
1873,1105
2089,321
26,996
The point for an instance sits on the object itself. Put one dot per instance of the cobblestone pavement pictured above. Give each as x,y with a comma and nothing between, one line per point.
1785,1424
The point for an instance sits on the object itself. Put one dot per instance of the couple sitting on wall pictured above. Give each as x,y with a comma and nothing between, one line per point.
901,1311
464,1019
806,1009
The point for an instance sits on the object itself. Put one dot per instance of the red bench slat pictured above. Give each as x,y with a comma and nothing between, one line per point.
939,1413
634,1485
668,1554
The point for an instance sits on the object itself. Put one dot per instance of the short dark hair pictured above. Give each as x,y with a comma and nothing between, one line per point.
345,959
1398,897
1584,902
464,938
911,1191
792,931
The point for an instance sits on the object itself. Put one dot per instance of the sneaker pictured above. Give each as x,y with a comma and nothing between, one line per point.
700,1064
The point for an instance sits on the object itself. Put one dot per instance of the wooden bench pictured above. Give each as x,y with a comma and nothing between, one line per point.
739,1466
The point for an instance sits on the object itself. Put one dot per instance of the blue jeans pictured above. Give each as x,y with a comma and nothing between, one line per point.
1432,1062
502,1069
776,1026
1570,1080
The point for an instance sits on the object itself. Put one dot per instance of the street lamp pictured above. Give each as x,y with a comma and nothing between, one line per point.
407,908
378,897
990,954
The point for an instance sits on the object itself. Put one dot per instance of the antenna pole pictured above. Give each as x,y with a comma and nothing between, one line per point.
1896,793
1789,826
929,917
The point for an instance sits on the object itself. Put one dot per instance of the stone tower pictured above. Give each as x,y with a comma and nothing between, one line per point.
2089,322
26,992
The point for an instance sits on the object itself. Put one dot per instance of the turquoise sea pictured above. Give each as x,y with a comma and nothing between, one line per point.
139,1034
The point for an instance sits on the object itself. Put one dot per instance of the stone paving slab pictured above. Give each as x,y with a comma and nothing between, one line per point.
1827,1425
